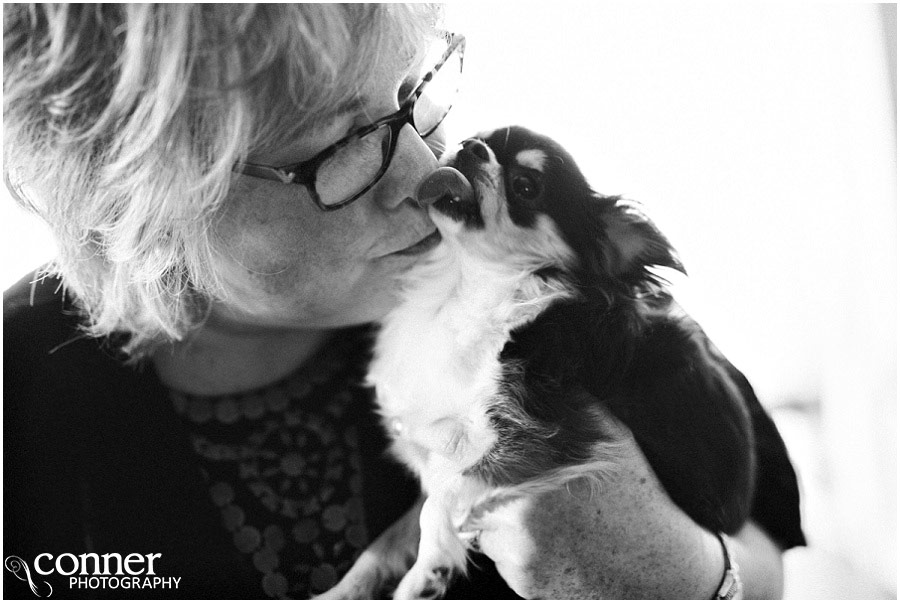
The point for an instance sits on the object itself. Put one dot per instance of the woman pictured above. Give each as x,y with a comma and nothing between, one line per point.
228,221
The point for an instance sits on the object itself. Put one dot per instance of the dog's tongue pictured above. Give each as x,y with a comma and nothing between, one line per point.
444,182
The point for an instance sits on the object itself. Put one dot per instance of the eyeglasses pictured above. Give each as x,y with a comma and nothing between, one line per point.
346,170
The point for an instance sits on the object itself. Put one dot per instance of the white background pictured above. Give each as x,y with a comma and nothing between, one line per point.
762,140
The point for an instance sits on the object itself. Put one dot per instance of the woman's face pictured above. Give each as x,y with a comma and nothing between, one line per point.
285,264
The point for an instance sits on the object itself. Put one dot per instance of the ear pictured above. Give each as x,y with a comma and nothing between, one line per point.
632,243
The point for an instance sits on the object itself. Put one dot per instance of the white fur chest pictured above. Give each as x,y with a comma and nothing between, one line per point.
436,368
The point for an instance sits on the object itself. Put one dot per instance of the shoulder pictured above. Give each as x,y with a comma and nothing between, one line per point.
48,362
55,376
42,342
37,320
37,317
43,328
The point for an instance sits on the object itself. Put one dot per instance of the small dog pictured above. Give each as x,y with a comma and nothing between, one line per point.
536,319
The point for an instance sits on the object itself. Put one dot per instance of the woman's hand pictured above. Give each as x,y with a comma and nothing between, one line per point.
628,540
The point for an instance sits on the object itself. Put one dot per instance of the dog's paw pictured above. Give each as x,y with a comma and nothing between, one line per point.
422,583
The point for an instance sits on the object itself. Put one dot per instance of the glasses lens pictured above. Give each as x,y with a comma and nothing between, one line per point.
439,94
353,167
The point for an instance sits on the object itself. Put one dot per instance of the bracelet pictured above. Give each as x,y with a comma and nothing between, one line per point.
731,586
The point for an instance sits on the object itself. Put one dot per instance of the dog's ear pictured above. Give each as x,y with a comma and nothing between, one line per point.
631,243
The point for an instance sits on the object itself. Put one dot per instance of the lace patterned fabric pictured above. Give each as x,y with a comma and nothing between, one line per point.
282,465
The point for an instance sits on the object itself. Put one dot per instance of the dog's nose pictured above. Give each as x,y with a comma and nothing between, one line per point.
477,148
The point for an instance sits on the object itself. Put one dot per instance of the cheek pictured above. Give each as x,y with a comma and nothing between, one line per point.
282,262
277,247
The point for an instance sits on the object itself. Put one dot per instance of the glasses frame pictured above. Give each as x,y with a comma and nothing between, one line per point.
305,172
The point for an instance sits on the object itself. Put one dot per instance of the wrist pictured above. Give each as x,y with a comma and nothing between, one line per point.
708,566
730,587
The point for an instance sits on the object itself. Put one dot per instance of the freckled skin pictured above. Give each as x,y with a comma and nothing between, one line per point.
285,263
577,546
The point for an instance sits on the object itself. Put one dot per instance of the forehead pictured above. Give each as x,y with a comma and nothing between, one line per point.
520,145
517,146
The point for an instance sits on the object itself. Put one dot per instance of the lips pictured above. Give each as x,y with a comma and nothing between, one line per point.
426,244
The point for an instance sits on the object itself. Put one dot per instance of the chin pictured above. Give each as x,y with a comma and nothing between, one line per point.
538,325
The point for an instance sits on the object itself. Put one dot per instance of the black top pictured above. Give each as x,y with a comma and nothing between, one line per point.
283,465
97,459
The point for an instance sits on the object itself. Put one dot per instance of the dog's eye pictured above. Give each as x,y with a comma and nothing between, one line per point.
525,187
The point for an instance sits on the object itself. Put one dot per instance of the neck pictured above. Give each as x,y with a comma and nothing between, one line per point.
216,360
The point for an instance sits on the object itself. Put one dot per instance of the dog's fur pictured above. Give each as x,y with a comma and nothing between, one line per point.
536,318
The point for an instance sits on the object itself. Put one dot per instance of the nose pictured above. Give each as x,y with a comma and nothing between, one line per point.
476,148
412,161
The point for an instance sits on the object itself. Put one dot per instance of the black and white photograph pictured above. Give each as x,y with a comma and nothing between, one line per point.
493,301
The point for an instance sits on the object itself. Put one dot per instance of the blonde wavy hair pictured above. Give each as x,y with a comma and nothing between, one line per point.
122,123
